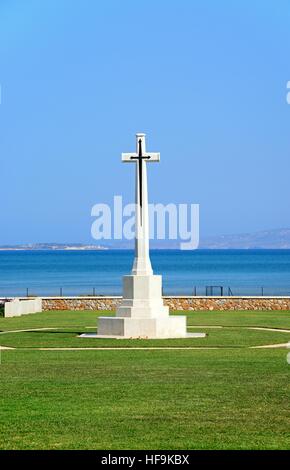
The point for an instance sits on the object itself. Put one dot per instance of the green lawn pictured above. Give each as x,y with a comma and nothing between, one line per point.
232,397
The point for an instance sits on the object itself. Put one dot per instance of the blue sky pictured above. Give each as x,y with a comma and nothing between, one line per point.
205,80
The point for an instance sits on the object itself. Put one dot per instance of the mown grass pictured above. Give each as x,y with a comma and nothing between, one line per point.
59,319
236,398
64,328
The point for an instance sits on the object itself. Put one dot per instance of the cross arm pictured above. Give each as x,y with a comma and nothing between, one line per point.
126,157
154,157
149,157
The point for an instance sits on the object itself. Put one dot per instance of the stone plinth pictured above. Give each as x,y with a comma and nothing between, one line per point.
141,313
170,327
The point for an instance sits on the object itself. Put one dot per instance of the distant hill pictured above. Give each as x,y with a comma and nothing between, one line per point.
279,238
267,239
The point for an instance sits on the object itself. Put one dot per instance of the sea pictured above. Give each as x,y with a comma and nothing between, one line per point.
198,272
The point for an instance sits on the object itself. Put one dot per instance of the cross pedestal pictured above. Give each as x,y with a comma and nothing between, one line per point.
141,313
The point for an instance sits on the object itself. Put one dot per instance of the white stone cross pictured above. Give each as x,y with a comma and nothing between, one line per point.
141,312
142,264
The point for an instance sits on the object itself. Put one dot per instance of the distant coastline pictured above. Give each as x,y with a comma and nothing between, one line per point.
53,247
278,239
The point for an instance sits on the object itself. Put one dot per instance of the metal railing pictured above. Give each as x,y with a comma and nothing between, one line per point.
197,290
239,291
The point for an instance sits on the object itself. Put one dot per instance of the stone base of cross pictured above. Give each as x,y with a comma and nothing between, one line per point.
141,313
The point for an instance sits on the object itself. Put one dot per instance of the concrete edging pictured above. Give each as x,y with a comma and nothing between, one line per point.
17,307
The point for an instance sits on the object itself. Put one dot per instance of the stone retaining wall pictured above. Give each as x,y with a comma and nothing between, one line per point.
174,303
80,303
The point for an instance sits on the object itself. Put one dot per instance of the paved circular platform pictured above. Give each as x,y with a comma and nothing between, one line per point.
95,335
